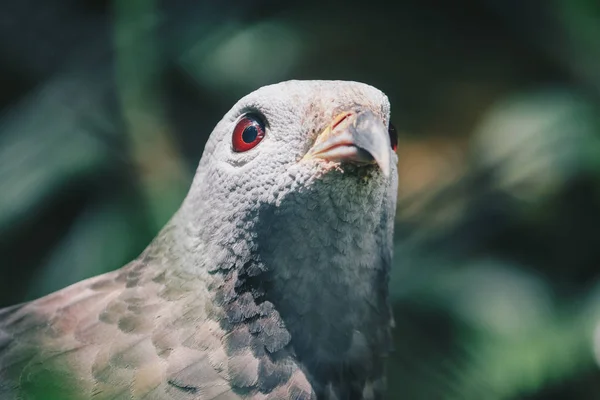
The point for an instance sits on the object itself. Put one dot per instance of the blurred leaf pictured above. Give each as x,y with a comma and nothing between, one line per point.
104,235
509,339
162,174
234,57
46,143
537,142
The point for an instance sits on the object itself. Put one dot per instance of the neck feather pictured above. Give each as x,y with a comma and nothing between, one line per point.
318,260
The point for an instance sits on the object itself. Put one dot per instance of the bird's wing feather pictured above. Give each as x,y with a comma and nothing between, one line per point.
133,334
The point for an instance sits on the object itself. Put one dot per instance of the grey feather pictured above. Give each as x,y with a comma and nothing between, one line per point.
270,282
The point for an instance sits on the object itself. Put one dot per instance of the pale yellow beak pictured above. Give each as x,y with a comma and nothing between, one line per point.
359,138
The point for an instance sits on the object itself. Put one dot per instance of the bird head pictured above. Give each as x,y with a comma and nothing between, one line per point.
313,126
306,155
308,147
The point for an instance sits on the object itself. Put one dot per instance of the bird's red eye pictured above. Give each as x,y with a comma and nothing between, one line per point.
393,136
248,132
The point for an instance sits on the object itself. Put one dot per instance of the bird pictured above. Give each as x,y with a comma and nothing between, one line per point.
269,282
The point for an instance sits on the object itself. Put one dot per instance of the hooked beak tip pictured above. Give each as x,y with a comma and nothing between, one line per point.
359,138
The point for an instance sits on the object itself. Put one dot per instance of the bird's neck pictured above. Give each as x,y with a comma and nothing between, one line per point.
318,266
327,276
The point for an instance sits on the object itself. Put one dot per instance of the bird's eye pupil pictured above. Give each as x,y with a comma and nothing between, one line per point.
250,134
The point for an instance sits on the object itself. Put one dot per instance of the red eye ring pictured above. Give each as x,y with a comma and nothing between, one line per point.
393,136
248,132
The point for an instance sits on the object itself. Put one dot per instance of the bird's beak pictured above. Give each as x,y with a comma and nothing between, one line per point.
358,138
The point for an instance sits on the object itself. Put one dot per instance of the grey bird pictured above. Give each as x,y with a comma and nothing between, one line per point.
269,282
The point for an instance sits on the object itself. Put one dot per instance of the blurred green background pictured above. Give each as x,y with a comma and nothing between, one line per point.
105,107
